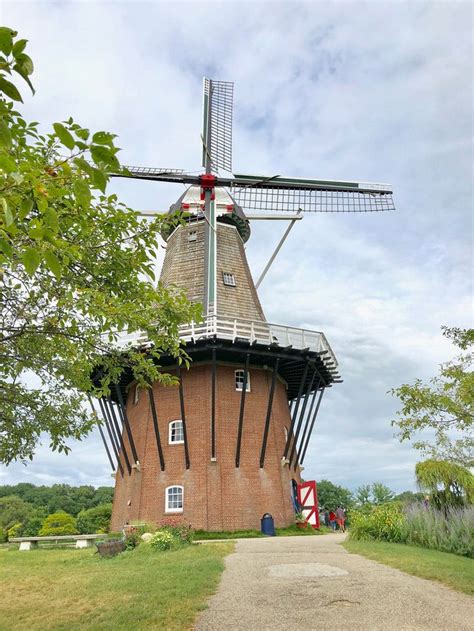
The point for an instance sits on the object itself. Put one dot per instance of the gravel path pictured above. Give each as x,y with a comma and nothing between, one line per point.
313,583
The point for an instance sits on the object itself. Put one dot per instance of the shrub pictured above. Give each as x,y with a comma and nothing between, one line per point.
384,522
33,526
183,532
94,520
3,535
58,524
163,540
15,531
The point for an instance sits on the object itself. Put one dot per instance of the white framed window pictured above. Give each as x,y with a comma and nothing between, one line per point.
174,499
239,380
176,433
229,279
192,235
136,395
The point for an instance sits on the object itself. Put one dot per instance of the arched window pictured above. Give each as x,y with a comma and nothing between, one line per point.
174,499
239,380
176,433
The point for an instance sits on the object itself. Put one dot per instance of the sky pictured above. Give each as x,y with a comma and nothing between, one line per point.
367,91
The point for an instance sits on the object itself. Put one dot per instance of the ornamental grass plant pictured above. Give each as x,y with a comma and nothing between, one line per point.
449,530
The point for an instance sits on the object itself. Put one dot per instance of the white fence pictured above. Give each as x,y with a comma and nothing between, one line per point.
249,330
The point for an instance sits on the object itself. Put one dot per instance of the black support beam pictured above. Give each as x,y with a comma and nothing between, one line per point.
269,414
313,420
102,434
309,416
110,431
242,411
213,405
109,406
295,410
301,419
128,429
183,418
154,416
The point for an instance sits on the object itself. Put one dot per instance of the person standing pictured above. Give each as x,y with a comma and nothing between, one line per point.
341,518
332,520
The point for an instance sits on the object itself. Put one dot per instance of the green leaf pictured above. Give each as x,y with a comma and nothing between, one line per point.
83,193
6,39
6,211
5,135
26,207
82,133
103,138
6,248
51,219
10,90
53,263
22,72
19,47
84,166
64,136
99,179
31,258
25,62
101,154
6,163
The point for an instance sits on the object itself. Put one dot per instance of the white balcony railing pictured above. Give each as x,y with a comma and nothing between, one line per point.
251,330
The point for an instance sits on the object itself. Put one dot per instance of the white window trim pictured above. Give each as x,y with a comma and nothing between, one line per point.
230,277
174,442
174,510
247,389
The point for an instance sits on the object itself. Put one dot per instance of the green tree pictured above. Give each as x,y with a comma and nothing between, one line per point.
13,510
330,495
58,524
76,271
445,406
448,483
95,519
363,495
408,497
381,494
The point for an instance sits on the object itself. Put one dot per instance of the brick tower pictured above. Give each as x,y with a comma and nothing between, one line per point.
226,445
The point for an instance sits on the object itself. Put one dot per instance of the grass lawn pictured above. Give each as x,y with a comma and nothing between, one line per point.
77,589
452,570
290,531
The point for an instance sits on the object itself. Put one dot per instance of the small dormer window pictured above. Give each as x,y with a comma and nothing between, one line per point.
229,279
239,381
192,235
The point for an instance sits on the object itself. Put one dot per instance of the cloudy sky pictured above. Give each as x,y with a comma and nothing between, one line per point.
368,91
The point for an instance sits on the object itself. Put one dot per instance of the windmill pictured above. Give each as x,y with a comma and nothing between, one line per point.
227,445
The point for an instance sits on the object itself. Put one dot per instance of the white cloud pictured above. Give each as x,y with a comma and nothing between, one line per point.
377,92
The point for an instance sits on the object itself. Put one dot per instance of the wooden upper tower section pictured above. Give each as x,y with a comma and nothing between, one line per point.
185,256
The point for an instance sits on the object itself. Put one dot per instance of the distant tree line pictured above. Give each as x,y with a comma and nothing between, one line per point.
28,510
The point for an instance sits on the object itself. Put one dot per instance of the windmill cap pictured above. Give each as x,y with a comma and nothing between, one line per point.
227,210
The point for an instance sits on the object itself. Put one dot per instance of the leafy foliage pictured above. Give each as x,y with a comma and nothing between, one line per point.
445,405
449,484
59,497
384,522
58,524
77,271
374,494
94,520
330,495
13,510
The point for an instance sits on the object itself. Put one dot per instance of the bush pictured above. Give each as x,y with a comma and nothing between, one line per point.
163,540
3,535
94,520
33,526
384,522
15,531
58,524
183,532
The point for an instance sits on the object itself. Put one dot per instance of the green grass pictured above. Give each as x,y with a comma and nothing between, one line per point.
290,531
77,589
452,570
